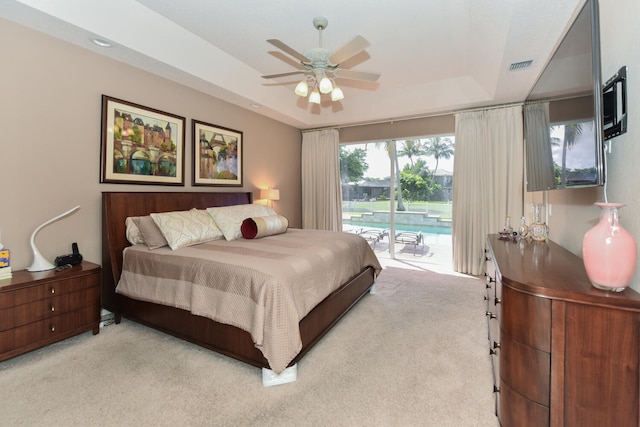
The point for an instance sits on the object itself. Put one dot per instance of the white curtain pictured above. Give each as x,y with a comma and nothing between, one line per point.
540,173
488,184
321,190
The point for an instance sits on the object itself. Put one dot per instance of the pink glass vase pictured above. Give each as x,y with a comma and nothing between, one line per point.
609,251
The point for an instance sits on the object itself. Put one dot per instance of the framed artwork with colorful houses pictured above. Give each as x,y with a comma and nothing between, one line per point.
217,155
141,145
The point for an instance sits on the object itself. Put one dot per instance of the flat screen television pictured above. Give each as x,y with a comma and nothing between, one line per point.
563,112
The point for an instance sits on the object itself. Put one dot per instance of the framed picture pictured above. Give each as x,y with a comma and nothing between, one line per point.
217,155
141,145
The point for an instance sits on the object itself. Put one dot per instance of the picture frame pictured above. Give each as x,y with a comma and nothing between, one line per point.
217,155
141,145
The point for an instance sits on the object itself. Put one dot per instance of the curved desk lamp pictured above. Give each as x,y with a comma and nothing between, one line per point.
39,262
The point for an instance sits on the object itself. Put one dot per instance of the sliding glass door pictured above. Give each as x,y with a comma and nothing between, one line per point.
397,193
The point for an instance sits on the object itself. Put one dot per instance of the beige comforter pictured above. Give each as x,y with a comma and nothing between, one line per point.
263,286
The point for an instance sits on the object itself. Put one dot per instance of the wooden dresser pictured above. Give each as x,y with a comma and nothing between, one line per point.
564,352
37,309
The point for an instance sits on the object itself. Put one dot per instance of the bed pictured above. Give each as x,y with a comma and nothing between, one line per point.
237,341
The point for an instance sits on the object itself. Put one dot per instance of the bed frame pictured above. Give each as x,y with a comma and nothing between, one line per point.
222,338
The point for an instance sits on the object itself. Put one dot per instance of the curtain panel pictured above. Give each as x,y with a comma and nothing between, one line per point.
488,184
321,189
540,173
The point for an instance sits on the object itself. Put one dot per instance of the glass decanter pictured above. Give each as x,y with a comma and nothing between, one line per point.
538,230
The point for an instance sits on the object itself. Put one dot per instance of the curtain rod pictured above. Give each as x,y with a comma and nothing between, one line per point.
403,119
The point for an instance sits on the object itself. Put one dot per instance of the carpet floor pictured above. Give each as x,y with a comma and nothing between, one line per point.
413,354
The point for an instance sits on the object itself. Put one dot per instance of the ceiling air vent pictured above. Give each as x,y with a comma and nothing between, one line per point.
522,65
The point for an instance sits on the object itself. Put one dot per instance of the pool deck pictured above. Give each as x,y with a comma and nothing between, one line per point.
434,253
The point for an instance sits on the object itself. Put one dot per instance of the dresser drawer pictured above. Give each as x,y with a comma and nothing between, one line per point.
48,307
47,330
526,370
526,318
47,290
516,410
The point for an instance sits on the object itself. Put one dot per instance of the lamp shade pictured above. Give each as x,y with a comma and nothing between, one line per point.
302,89
314,98
325,85
336,94
270,194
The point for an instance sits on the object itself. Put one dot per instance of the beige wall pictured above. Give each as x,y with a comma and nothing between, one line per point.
573,212
50,113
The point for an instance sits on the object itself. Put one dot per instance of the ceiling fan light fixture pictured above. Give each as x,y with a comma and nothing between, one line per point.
325,85
314,98
320,64
302,89
336,94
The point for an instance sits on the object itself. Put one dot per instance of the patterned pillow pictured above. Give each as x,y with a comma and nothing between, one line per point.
186,228
229,218
255,228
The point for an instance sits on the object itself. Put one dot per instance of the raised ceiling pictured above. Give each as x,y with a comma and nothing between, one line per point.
434,56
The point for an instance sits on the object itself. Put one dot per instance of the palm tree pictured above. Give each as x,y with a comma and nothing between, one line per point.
412,149
390,148
439,148
572,134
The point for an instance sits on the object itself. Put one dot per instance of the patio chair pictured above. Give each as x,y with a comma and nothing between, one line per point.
373,235
410,238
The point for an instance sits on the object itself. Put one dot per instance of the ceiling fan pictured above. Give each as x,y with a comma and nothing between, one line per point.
320,65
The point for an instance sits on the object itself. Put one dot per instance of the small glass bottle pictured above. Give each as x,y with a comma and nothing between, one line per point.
538,230
507,226
523,230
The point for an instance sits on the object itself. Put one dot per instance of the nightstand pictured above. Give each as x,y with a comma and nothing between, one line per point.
40,308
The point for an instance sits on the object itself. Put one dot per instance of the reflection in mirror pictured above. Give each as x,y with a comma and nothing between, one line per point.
563,137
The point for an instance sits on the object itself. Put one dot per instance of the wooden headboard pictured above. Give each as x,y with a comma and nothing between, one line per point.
117,206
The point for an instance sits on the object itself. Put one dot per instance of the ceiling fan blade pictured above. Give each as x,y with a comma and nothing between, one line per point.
352,48
280,45
291,73
359,75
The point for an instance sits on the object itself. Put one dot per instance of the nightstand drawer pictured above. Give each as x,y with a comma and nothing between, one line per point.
47,290
48,307
46,331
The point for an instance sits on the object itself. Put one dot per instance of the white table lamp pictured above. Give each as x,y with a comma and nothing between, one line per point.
40,263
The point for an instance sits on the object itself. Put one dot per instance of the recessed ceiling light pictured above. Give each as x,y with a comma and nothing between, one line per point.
101,42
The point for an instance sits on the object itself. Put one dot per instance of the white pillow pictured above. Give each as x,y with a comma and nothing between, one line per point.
229,218
186,228
134,235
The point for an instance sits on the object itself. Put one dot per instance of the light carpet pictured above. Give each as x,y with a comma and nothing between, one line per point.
414,354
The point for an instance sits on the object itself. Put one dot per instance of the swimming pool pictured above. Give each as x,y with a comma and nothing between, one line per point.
402,227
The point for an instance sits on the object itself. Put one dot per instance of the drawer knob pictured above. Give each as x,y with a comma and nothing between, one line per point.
53,291
52,328
498,300
496,345
496,389
490,315
52,308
